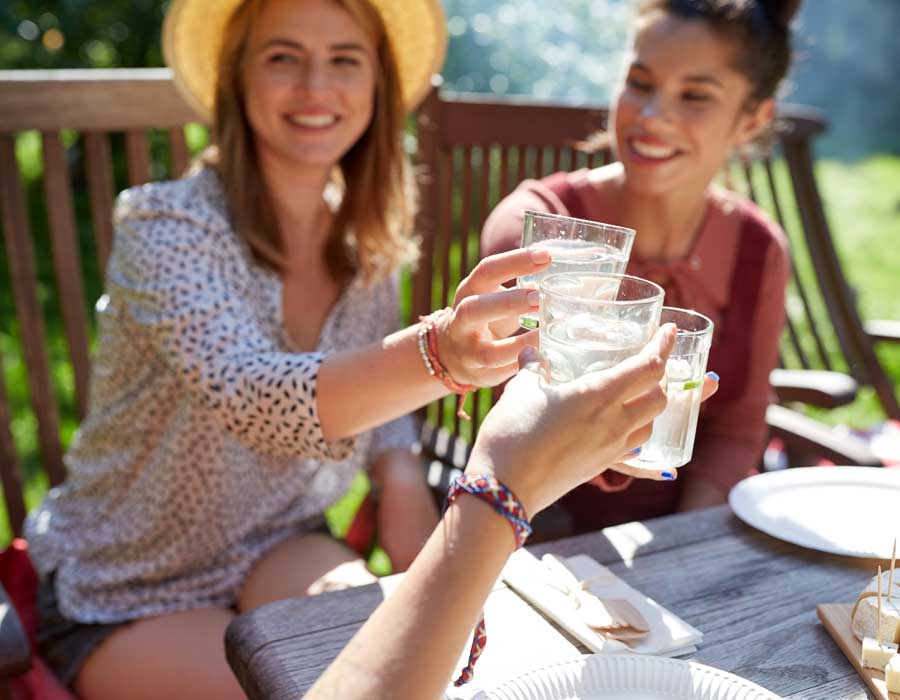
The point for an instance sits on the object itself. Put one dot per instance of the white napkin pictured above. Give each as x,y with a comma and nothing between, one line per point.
545,589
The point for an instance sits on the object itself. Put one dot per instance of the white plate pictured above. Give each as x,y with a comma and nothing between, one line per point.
854,511
615,677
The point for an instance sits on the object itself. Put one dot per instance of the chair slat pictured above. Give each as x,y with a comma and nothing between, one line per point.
522,163
137,149
445,233
28,310
748,179
179,155
484,188
10,470
539,163
429,192
100,189
504,171
798,283
445,225
67,263
795,344
466,222
91,99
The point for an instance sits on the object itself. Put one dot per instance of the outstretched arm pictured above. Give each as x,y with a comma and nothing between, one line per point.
359,389
533,443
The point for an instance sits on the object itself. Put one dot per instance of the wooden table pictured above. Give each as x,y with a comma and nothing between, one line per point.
753,597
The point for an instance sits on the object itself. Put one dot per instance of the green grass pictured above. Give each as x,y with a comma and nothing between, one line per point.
863,208
862,205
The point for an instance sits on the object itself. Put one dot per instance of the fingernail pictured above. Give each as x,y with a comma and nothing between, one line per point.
540,256
713,375
636,451
668,476
534,298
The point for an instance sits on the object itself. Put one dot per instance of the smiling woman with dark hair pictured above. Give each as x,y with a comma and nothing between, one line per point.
699,81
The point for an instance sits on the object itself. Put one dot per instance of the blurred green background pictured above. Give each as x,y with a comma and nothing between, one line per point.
568,50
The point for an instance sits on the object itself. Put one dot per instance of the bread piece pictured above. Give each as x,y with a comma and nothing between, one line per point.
864,621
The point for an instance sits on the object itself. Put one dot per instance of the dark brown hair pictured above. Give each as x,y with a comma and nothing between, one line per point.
758,29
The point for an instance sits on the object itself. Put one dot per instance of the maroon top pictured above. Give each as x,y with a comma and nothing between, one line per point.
735,273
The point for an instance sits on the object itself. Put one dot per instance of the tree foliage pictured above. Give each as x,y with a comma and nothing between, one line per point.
567,50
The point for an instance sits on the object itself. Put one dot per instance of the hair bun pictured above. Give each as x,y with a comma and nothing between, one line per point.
781,12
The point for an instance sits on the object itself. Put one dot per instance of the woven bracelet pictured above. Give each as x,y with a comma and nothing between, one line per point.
504,502
428,350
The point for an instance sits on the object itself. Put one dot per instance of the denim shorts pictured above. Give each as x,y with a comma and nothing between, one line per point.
65,644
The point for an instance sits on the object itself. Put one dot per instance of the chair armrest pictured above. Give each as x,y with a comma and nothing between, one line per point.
816,387
883,330
15,655
806,434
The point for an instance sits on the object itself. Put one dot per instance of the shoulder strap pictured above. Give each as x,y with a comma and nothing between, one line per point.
730,354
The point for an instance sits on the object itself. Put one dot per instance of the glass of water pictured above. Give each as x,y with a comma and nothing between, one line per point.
575,245
590,321
672,441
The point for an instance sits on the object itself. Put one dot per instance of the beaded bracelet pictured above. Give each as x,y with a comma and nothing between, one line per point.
428,350
504,502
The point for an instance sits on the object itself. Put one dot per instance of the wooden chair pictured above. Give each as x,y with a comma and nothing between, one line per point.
473,151
100,109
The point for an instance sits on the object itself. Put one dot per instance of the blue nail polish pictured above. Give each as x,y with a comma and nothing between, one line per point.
636,451
713,375
668,476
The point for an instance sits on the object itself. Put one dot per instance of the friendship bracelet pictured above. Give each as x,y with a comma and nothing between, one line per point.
504,502
428,350
498,497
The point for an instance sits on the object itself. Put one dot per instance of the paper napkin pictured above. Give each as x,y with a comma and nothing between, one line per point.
547,590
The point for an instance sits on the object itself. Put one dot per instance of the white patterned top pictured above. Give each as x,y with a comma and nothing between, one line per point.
202,447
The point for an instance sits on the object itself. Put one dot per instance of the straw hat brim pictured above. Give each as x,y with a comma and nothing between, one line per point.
192,39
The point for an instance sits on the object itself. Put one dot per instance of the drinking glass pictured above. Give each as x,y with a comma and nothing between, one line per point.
575,245
590,321
672,441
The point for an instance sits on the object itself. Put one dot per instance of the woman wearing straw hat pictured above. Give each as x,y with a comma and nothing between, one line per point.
242,353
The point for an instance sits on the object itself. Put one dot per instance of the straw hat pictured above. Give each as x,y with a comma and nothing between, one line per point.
192,38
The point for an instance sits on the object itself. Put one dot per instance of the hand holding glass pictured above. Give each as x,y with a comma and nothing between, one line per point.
591,321
575,245
672,441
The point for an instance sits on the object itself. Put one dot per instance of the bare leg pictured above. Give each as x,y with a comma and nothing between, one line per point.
171,657
406,514
302,565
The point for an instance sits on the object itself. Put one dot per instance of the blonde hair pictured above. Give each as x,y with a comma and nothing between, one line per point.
370,233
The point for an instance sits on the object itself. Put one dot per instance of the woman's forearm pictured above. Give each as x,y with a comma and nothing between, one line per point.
359,389
473,342
408,648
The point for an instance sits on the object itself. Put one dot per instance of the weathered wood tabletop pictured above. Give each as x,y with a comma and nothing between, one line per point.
753,597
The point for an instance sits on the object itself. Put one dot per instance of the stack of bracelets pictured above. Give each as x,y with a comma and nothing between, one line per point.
504,502
428,349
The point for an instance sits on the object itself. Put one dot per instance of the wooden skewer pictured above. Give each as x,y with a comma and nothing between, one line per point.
891,576
878,623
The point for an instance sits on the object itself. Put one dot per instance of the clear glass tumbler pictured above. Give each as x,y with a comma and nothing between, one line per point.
591,321
576,245
672,441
